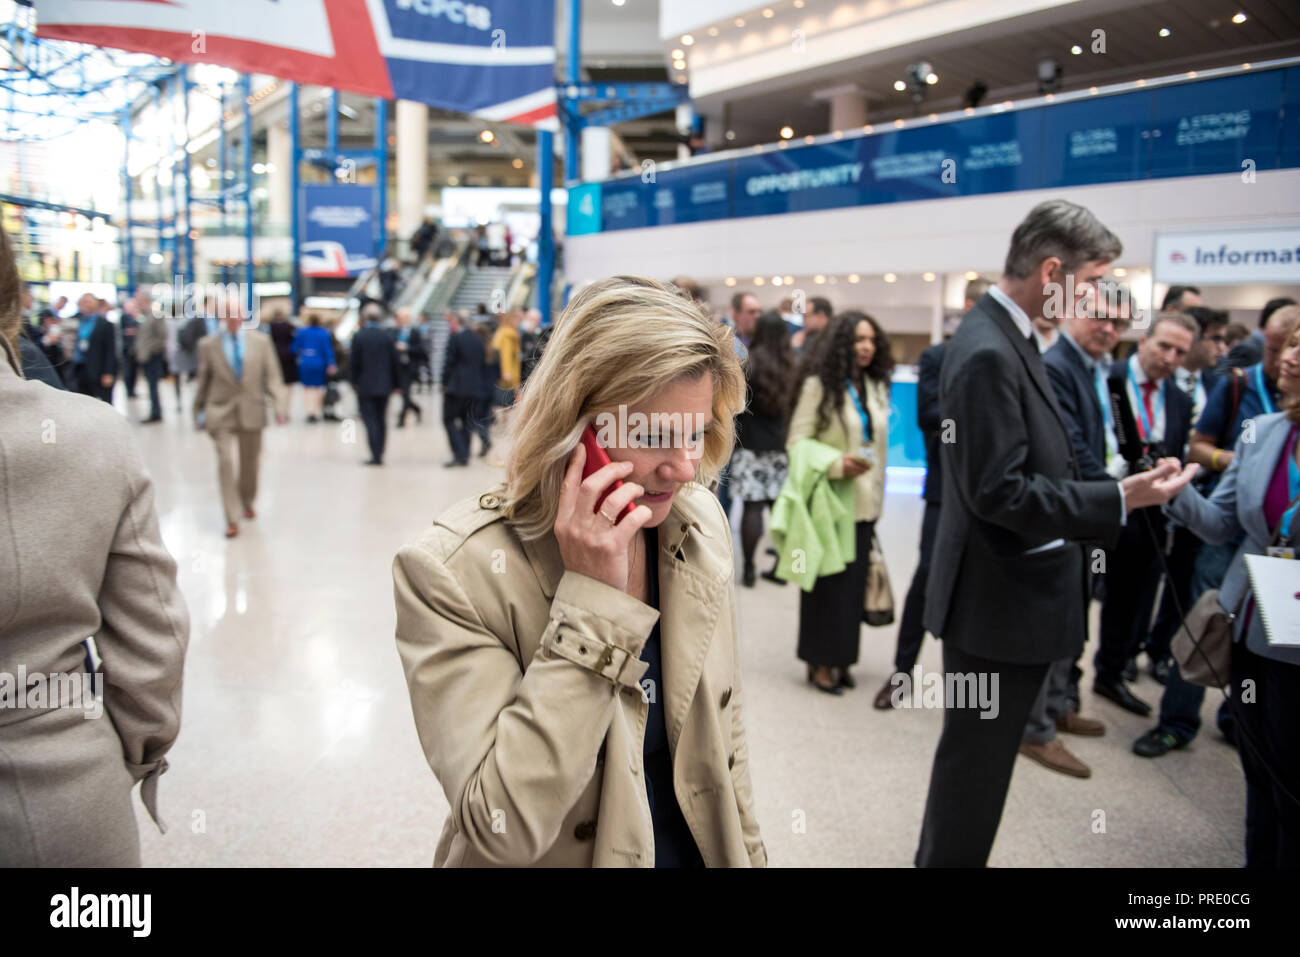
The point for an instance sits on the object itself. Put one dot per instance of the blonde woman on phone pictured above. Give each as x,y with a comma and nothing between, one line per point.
572,661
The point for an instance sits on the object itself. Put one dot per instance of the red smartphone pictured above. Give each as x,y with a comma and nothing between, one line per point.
598,458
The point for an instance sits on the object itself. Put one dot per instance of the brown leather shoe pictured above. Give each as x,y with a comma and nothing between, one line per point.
248,512
884,700
1075,723
1054,755
232,530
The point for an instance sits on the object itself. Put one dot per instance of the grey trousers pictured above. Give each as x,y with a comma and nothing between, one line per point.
1053,701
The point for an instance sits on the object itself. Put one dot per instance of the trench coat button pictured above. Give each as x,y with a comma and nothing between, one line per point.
726,698
488,500
731,761
585,831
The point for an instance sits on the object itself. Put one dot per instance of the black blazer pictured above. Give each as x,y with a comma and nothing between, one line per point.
372,363
464,368
100,355
1076,393
1010,485
1178,409
929,420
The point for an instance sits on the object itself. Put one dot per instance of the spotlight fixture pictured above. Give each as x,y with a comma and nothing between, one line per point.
900,86
1076,49
679,54
487,136
931,78
729,281
786,132
972,276
687,40
1164,32
854,277
1239,18
890,277
918,76
928,277
769,13
1049,75
819,279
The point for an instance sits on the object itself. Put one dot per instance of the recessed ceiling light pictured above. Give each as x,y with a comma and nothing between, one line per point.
898,124
1239,17
619,3
819,279
730,281
1076,49
486,136
890,277
730,134
687,39
928,276
1164,32
932,78
798,4
770,13
789,280
517,163
854,277
740,21
809,138
759,281
1121,272
972,276
713,31
776,280
786,132
679,54
900,86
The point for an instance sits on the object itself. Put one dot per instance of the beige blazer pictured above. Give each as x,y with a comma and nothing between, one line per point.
844,432
524,680
231,404
80,557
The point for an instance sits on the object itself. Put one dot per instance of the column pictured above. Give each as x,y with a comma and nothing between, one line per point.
685,121
412,165
848,110
279,159
596,152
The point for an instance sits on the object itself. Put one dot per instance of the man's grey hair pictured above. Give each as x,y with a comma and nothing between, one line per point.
1179,319
1064,230
372,313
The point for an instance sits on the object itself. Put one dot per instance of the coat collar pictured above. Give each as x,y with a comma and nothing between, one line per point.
1253,483
1029,355
675,535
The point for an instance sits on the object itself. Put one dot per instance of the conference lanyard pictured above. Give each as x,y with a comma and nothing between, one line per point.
1265,400
862,413
1146,424
1103,396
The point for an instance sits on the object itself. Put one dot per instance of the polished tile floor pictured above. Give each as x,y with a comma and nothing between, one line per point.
297,745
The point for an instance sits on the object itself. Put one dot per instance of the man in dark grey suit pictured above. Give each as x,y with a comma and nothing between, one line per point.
1008,579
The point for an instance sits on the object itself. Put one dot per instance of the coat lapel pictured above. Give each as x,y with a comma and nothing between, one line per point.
1029,356
1253,483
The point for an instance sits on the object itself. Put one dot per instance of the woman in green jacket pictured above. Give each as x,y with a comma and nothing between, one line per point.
843,402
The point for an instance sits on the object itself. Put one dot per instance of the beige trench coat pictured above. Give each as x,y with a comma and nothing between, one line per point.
81,557
524,680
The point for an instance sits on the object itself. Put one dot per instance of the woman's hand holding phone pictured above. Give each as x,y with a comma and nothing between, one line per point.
589,543
853,466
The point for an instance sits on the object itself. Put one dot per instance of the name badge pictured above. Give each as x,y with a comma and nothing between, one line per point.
1282,551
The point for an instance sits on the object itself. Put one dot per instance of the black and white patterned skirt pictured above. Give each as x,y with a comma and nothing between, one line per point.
757,476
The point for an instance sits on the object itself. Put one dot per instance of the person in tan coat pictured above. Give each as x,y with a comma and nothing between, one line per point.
80,557
238,372
574,671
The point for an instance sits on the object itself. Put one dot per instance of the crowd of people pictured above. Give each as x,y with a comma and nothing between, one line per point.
1068,461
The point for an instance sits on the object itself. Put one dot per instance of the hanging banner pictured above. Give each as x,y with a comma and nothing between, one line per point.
338,230
1228,257
489,58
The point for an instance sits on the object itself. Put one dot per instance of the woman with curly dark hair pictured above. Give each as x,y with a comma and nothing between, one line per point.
843,402
758,466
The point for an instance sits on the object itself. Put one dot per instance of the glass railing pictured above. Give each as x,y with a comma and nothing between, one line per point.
1237,121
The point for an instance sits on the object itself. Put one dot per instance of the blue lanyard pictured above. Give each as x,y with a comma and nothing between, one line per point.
1293,488
1264,399
1142,406
862,413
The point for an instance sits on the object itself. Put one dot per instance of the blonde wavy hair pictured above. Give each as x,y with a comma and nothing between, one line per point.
618,342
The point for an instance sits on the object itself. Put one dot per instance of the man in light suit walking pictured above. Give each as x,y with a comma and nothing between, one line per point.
1007,584
238,372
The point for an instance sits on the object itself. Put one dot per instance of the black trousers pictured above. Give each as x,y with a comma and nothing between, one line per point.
973,764
1131,567
130,370
374,411
1266,738
457,419
405,380
153,372
911,630
830,616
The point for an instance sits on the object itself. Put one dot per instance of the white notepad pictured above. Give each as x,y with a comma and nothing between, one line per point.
1275,582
